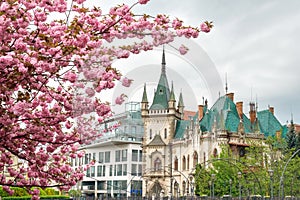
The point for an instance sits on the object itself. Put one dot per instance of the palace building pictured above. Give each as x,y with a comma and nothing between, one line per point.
176,140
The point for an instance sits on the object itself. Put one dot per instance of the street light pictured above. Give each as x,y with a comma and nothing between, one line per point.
213,176
239,178
271,173
230,185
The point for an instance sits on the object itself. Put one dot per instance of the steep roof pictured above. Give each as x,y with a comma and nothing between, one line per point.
157,141
269,123
162,93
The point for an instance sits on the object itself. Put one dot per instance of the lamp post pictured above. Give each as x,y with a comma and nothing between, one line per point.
239,178
271,173
230,185
209,182
213,176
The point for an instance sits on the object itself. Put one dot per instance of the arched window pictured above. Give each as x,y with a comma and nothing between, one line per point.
188,163
176,163
157,164
195,159
165,133
183,163
150,134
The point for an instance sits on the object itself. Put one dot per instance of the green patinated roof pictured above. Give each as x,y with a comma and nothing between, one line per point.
269,124
145,99
172,95
222,115
181,126
180,101
162,93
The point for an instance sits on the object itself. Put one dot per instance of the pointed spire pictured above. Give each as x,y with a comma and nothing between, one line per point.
180,102
145,99
226,85
163,62
172,95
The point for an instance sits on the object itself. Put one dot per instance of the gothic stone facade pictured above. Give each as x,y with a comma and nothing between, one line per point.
174,143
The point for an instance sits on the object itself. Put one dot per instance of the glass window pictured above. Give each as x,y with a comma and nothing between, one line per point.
134,155
133,169
99,170
119,170
140,170
94,156
86,158
107,156
124,155
109,184
118,156
140,155
88,172
92,171
124,169
110,170
100,185
101,157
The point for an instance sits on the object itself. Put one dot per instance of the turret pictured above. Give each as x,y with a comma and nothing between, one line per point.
144,102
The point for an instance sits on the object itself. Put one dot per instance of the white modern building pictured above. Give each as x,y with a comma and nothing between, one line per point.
118,158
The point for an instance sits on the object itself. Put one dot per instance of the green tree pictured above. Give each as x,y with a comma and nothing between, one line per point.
291,137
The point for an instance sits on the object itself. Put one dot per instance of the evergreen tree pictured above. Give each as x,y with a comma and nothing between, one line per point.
291,137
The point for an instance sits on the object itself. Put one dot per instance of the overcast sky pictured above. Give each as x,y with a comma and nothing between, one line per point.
257,43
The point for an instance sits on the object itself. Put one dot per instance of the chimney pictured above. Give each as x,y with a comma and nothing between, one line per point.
252,112
239,107
230,96
271,109
200,112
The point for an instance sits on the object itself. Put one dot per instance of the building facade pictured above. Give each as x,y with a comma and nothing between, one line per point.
175,140
118,158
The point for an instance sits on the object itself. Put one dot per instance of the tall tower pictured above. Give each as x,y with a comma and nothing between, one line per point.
159,130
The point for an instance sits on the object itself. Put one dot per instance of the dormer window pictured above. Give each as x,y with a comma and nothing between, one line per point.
160,91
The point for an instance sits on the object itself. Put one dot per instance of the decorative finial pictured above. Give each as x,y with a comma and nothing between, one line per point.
226,85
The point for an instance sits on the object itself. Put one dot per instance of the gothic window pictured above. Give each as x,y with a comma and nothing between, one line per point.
183,163
188,163
157,164
195,159
165,133
176,163
150,134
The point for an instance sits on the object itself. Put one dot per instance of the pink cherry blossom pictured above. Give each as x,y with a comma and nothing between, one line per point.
206,26
183,49
143,1
126,82
120,99
52,72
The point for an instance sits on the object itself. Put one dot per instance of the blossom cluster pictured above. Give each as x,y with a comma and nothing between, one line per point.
51,72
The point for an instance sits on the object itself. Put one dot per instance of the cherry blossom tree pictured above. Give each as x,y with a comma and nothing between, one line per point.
55,59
